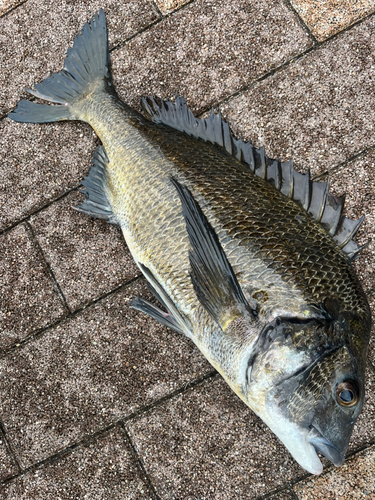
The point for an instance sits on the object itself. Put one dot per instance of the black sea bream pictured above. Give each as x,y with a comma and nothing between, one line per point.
248,258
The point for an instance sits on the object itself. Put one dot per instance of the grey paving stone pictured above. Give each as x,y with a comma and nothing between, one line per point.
34,38
7,465
88,256
327,17
29,297
355,479
208,50
319,110
89,371
39,164
207,444
102,469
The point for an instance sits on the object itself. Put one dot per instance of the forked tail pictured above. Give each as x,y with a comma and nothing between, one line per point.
86,69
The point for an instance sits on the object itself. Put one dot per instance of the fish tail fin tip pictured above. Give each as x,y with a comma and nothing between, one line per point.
86,62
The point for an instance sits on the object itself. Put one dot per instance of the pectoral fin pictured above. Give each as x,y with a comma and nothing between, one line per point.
213,278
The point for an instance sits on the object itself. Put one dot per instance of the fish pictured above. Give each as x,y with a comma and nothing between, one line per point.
248,258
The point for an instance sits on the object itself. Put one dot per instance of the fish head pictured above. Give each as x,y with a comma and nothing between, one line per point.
307,385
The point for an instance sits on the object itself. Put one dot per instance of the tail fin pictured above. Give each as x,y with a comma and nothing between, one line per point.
86,63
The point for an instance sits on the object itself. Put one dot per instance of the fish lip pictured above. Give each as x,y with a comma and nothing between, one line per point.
325,447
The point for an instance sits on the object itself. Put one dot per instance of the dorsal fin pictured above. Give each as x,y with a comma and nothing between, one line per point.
310,195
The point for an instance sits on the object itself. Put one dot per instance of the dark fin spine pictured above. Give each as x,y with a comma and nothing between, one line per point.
86,62
175,319
96,203
212,275
311,196
162,317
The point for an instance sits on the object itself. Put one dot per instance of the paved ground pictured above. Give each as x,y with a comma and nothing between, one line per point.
97,401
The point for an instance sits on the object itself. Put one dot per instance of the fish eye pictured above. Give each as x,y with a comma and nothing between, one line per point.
347,393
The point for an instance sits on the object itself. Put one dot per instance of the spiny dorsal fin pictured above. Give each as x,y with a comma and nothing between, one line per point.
96,203
310,195
212,275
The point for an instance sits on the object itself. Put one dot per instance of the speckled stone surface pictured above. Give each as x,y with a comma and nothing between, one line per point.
208,443
7,465
208,50
39,164
29,296
354,480
104,468
320,109
7,5
168,6
29,55
89,371
327,17
88,256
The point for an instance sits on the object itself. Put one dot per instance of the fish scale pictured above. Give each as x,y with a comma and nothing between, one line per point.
247,257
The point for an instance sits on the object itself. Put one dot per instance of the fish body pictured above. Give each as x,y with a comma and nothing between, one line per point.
249,259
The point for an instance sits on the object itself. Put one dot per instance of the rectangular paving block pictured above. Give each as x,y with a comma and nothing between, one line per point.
327,17
39,164
208,444
88,256
29,296
355,479
103,468
34,38
208,50
89,371
318,110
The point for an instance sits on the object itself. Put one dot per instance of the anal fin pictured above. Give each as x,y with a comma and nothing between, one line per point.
96,203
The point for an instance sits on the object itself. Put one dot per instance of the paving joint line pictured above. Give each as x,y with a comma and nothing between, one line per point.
345,163
302,23
38,210
40,332
156,8
89,438
13,8
9,447
330,467
139,462
47,265
122,44
177,392
281,489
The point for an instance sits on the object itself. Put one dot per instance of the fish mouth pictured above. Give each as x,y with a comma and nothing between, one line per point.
325,447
